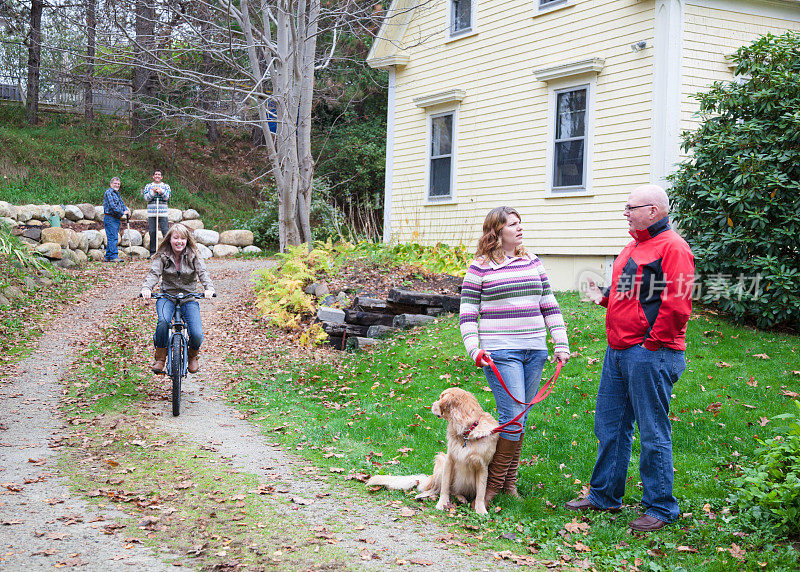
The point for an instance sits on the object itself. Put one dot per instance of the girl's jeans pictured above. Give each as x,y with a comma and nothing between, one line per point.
636,385
522,372
191,316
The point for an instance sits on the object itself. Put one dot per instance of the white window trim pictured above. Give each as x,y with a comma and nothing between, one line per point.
553,89
430,201
540,10
473,29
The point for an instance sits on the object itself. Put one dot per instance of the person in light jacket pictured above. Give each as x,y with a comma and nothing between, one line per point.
178,266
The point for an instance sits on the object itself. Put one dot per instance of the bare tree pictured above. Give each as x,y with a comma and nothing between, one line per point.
34,61
91,38
265,54
142,69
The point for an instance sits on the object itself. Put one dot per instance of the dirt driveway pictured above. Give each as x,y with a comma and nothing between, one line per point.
43,526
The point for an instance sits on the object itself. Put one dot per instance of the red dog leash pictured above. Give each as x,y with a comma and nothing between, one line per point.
543,392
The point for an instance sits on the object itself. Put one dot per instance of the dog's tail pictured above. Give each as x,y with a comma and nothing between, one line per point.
400,483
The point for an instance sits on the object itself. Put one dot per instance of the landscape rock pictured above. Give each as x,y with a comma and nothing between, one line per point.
206,236
4,301
225,250
131,237
25,213
204,252
193,224
96,255
44,281
8,221
66,263
238,237
78,256
88,211
99,213
139,214
7,210
55,234
137,252
73,213
332,315
174,215
190,214
73,239
13,293
29,283
34,233
95,239
252,249
51,250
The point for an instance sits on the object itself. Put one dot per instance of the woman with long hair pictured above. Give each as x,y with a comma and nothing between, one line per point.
507,306
178,266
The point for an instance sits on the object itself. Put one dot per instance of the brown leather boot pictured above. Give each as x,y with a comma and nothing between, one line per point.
499,467
160,360
510,486
194,362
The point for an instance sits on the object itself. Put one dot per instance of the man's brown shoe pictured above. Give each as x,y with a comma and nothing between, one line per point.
585,504
646,523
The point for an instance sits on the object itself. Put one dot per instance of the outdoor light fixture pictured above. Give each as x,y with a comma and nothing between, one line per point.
639,46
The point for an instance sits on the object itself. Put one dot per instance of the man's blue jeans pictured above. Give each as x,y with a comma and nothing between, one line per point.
112,236
636,385
522,372
191,316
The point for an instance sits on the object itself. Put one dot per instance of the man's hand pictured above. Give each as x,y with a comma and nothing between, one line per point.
146,293
563,357
593,293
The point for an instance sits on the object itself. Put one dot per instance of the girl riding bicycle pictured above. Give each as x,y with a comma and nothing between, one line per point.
178,266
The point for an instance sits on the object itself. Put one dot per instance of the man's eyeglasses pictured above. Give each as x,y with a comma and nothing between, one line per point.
629,208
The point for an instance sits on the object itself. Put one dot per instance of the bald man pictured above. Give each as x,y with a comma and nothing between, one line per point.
648,305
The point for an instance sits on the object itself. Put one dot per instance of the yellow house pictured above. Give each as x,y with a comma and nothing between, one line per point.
558,108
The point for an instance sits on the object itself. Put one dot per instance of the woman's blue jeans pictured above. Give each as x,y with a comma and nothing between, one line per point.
636,385
191,316
522,372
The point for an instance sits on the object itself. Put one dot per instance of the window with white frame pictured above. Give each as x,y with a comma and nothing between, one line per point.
570,139
440,178
460,17
545,4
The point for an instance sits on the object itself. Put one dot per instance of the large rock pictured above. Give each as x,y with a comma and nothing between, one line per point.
51,250
193,224
190,214
131,237
139,214
96,254
174,215
99,213
8,221
34,233
251,249
56,234
206,236
204,252
57,210
83,243
13,293
136,252
146,238
237,237
78,256
26,213
73,239
88,211
39,212
7,210
95,239
73,213
225,250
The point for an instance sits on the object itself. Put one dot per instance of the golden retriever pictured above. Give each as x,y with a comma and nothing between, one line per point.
463,470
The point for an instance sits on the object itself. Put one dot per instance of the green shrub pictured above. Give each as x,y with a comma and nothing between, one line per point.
326,220
737,197
17,252
770,490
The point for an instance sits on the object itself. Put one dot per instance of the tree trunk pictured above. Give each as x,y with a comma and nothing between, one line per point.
91,31
142,84
34,61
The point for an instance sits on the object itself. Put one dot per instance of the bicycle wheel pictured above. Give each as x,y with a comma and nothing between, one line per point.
176,352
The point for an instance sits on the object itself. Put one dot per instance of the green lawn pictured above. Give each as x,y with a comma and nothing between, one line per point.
370,414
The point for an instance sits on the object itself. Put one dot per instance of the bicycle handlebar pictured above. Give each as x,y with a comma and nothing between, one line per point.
179,297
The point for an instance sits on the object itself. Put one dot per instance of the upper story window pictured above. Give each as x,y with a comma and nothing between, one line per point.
440,180
570,140
461,17
548,3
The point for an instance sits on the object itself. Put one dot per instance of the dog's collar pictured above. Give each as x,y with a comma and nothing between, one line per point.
465,435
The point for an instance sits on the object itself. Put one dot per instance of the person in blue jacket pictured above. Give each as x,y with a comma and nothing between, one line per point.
114,210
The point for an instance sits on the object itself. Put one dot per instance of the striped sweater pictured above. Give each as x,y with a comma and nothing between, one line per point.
508,305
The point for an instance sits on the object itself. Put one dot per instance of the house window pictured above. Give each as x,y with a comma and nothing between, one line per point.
440,183
460,16
544,4
570,140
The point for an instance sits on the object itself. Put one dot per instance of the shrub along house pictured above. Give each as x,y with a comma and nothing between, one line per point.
556,107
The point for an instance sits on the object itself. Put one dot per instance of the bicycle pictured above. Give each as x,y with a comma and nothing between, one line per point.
177,365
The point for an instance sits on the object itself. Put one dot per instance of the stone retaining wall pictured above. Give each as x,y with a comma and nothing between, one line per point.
81,236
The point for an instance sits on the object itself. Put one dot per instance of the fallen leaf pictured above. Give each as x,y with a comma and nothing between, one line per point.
763,421
686,549
761,356
407,512
722,364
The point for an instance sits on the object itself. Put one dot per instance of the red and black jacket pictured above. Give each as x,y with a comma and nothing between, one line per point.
650,297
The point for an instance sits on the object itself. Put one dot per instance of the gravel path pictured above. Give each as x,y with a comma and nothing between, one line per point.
42,526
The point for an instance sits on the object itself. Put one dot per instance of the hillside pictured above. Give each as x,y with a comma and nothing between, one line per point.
62,161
